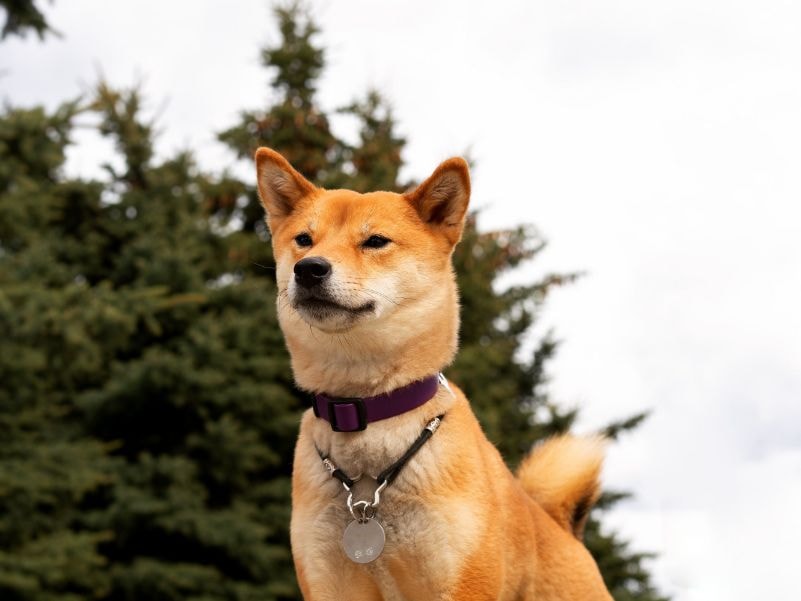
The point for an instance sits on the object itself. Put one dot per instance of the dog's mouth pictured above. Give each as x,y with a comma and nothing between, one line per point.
322,307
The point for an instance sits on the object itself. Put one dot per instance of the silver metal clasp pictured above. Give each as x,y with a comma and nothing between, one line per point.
444,382
366,509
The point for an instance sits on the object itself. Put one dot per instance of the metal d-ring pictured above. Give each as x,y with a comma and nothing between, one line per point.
378,491
365,508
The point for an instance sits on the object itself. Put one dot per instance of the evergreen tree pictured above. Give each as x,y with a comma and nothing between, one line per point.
21,16
147,410
47,463
374,164
294,123
143,357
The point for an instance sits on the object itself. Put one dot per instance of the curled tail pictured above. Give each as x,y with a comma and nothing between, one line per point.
562,475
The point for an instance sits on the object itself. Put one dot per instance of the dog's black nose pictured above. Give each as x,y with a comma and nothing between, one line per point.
312,271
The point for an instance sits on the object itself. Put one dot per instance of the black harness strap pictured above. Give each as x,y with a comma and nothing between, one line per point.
334,470
389,474
342,477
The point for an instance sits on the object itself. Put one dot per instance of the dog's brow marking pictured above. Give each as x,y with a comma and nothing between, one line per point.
368,225
339,216
314,218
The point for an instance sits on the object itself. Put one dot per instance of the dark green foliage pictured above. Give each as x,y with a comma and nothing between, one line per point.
622,568
147,413
375,162
147,408
22,15
505,392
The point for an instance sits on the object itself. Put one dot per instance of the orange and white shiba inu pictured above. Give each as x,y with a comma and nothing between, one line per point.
368,305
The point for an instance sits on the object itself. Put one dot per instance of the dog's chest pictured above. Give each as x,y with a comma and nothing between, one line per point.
426,539
419,554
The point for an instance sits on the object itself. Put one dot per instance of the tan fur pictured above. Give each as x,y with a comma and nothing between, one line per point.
562,475
459,526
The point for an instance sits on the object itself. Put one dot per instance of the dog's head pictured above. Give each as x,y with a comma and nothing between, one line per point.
372,265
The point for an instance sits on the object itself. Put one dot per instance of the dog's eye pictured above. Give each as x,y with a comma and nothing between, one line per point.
376,241
303,240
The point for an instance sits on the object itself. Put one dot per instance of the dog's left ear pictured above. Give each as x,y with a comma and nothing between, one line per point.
441,200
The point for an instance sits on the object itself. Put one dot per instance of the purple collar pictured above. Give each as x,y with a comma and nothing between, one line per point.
353,414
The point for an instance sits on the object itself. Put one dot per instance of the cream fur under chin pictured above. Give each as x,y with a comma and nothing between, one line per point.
377,354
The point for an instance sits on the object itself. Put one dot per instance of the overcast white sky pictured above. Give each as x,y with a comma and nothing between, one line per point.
655,144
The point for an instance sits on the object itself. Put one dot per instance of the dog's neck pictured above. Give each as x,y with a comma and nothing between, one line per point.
345,366
374,359
363,362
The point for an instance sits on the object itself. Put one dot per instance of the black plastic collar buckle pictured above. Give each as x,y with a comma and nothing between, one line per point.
358,406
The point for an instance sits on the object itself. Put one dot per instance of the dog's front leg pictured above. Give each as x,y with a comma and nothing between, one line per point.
347,583
324,572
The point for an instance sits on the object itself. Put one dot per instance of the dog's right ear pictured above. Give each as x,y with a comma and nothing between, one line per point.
280,186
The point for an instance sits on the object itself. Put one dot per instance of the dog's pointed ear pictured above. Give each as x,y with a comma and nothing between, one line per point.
280,186
441,200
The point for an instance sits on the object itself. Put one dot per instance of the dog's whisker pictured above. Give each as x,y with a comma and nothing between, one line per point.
268,267
381,294
374,292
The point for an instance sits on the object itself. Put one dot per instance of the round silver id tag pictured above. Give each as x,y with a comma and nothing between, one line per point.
363,541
